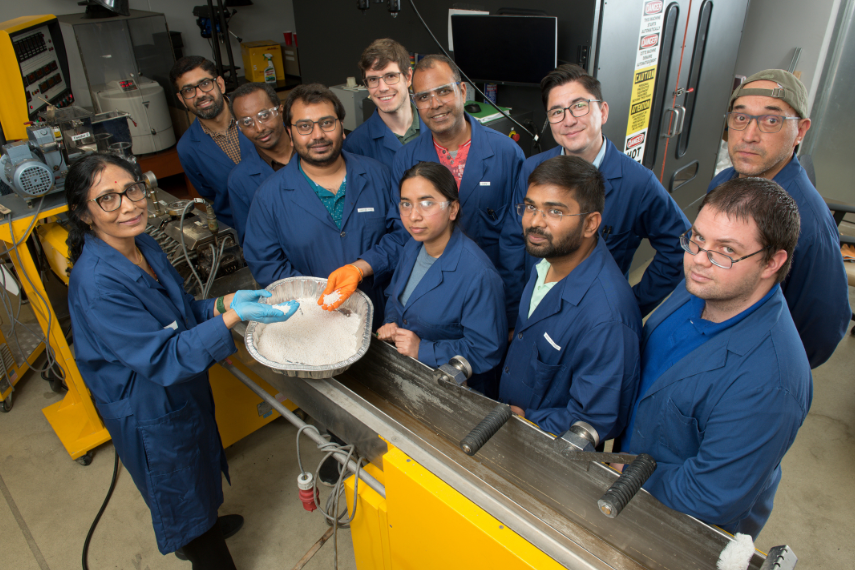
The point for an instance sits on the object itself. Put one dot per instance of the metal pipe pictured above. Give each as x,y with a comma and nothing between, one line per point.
298,423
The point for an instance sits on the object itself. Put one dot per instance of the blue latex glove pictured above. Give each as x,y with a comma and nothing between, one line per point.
247,307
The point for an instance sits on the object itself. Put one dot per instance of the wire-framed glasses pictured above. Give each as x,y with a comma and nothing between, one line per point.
552,215
388,79
305,128
716,258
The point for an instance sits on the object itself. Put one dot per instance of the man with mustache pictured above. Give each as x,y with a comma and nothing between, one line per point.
213,145
725,384
327,209
575,349
484,162
766,120
386,72
257,110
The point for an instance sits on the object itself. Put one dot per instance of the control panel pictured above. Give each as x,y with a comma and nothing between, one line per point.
42,70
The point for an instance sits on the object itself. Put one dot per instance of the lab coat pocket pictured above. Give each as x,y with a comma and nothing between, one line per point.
172,441
679,433
539,379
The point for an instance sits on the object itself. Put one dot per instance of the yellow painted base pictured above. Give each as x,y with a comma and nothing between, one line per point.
72,425
425,524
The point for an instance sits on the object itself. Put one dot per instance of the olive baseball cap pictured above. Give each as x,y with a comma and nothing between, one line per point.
790,90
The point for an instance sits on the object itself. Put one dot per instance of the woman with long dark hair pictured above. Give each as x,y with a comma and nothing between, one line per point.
143,346
445,298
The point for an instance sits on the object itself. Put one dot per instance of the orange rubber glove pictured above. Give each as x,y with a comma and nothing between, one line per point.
342,281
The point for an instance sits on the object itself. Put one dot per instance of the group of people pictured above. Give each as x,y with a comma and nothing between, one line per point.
466,247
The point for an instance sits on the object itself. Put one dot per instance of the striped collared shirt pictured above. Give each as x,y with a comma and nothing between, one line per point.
228,141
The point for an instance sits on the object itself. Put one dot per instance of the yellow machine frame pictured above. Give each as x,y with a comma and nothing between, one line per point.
424,519
75,419
13,101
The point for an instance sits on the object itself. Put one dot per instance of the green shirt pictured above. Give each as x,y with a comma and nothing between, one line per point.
540,288
413,131
334,203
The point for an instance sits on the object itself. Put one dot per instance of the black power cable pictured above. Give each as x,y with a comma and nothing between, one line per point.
535,137
101,512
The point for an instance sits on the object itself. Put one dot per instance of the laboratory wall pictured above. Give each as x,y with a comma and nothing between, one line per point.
774,28
264,20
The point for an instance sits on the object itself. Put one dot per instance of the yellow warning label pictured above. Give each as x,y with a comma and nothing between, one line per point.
639,105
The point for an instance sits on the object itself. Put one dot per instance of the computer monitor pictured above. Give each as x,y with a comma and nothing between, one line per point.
505,49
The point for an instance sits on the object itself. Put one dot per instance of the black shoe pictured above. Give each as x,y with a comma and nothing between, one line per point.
229,525
329,472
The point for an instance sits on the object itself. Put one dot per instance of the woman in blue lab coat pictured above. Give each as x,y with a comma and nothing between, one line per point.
445,298
143,346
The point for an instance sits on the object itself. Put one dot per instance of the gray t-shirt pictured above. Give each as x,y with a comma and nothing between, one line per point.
423,263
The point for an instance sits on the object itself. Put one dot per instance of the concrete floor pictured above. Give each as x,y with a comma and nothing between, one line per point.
49,501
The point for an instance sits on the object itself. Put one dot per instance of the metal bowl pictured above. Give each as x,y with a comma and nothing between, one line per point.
311,287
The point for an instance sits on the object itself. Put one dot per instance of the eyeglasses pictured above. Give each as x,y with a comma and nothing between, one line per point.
306,128
579,108
189,91
261,117
388,79
426,207
112,201
551,215
766,123
443,94
716,258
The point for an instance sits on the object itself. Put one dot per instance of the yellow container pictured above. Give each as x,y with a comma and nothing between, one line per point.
254,61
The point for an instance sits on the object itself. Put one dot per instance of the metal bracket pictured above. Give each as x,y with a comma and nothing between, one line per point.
780,558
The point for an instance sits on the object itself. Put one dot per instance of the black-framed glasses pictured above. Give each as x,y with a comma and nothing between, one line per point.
189,91
443,94
553,215
112,201
766,123
578,108
716,258
261,118
305,128
388,79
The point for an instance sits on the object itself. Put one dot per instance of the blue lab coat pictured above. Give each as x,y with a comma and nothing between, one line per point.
486,190
208,167
290,232
591,368
637,207
244,180
720,420
457,308
816,288
144,349
375,140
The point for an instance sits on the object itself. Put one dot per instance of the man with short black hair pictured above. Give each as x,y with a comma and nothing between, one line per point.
258,113
725,383
327,208
213,145
386,72
767,119
574,354
637,206
485,163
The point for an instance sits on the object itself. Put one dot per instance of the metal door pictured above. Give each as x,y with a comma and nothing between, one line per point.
700,42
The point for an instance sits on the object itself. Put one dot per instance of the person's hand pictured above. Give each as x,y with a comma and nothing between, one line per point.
407,343
343,281
387,332
247,307
518,411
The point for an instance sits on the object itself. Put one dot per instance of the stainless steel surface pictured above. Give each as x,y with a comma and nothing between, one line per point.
517,477
311,287
780,558
366,478
830,136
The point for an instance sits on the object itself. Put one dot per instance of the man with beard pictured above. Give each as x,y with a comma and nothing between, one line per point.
575,350
213,145
386,71
725,384
767,120
485,163
257,111
326,208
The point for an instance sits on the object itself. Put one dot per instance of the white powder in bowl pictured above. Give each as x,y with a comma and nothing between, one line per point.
312,336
